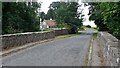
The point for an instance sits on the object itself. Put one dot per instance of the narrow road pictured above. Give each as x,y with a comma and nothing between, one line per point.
71,51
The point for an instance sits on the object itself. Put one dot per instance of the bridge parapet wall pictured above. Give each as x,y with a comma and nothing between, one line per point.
111,48
19,39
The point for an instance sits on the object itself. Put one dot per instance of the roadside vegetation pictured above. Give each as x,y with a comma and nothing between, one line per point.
20,17
106,16
25,16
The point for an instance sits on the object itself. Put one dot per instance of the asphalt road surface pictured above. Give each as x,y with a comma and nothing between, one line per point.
71,51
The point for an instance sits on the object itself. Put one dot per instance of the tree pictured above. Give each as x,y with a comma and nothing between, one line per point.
42,16
65,13
20,17
106,16
50,14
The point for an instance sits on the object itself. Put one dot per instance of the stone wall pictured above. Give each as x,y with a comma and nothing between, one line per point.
110,48
19,39
62,32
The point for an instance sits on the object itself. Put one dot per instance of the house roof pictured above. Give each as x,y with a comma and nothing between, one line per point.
51,22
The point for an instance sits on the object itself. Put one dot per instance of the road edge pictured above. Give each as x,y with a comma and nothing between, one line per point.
90,49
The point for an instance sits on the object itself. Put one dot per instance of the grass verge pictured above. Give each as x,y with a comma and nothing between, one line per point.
64,36
68,35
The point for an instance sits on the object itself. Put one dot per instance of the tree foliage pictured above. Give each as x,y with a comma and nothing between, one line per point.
106,16
65,13
19,17
42,16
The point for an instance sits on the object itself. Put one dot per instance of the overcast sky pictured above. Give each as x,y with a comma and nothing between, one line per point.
46,4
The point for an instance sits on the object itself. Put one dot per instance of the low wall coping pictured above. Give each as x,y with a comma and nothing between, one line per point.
108,37
24,33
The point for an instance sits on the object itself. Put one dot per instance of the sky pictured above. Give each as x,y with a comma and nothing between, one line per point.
46,4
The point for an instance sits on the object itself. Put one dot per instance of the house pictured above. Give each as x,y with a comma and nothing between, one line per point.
51,23
47,24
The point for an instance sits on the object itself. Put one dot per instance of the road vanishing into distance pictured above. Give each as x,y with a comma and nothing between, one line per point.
70,51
